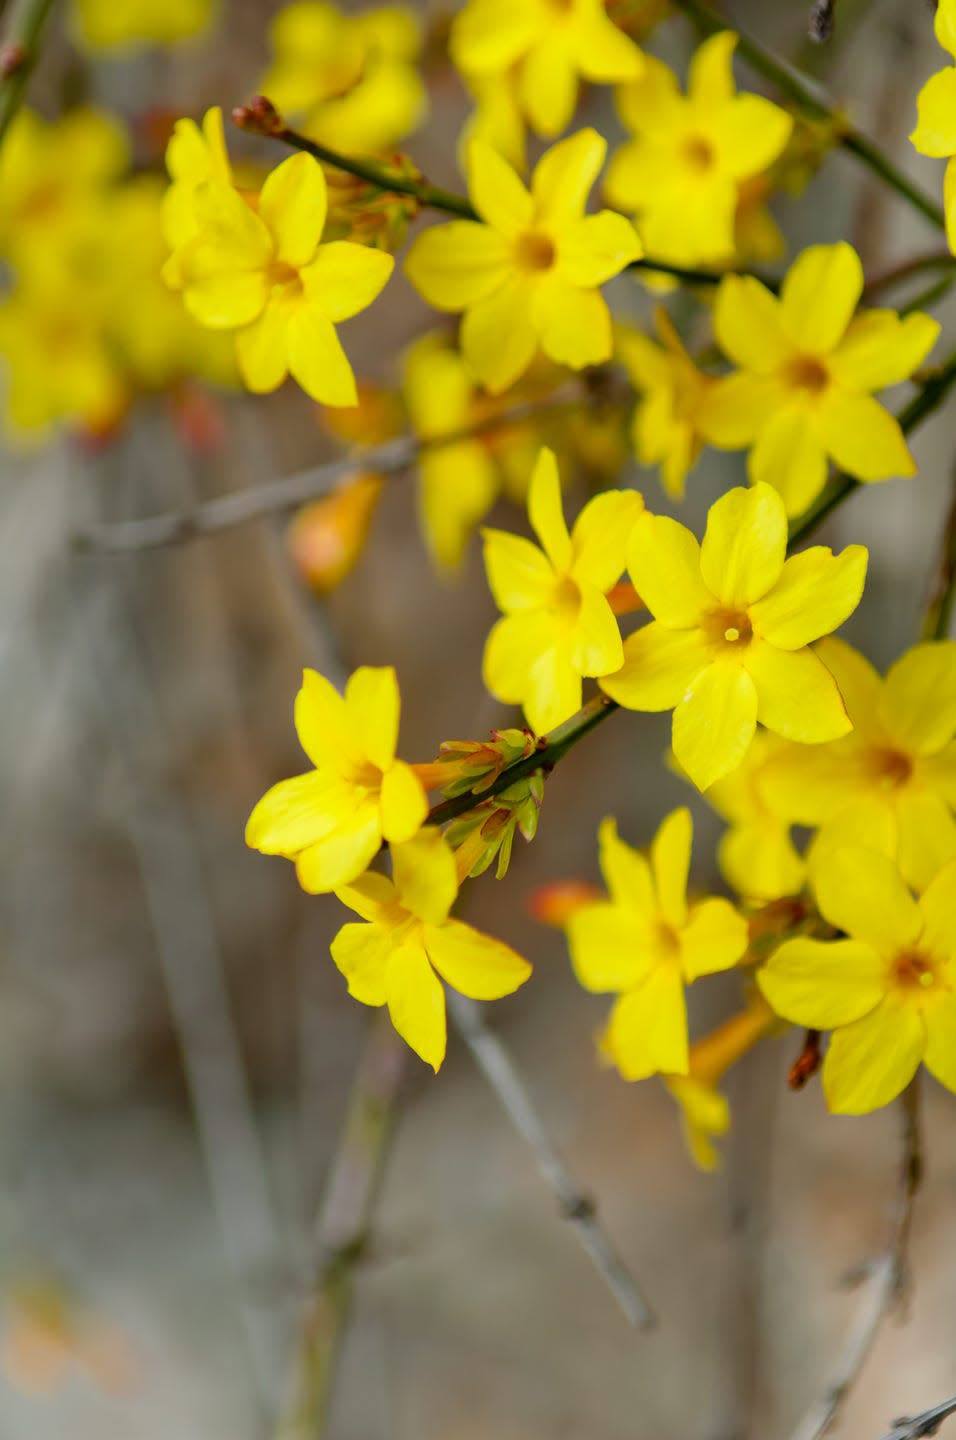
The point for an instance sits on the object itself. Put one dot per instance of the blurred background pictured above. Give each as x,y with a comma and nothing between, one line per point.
178,1056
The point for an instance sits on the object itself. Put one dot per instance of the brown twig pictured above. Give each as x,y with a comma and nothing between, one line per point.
926,1423
886,1281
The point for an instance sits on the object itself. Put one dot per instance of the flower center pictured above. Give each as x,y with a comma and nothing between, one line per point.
891,769
806,372
668,941
914,970
699,153
729,628
280,272
367,775
566,600
535,251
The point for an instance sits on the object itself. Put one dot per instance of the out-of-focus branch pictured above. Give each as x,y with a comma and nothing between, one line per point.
227,511
805,93
905,270
926,1423
342,1230
885,1282
18,56
499,1070
939,612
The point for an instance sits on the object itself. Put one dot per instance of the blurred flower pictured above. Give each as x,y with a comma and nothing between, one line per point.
665,428
326,538
756,854
409,941
123,24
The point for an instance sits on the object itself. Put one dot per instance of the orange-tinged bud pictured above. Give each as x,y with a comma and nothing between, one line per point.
378,416
327,537
554,904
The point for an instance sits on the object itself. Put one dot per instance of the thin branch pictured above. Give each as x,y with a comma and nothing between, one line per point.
228,511
498,1068
805,93
262,118
885,1283
926,1423
939,612
342,1230
18,56
906,269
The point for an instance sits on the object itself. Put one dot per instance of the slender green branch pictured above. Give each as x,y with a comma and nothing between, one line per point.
928,398
898,274
18,56
811,100
262,118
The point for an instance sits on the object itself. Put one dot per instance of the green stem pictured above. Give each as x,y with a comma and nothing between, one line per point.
804,93
551,749
939,612
435,198
21,49
928,398
917,265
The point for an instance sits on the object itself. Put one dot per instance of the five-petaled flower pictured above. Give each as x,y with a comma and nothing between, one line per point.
265,274
333,819
733,624
645,942
808,366
527,273
888,991
935,132
558,625
409,941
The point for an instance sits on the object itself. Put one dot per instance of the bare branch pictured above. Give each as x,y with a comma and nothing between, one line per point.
499,1070
926,1423
885,1282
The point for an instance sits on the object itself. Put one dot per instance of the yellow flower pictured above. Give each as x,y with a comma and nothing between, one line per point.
733,624
352,78
551,43
266,275
195,155
888,992
106,25
409,945
665,430
807,370
333,819
890,785
683,171
527,275
705,1113
557,624
935,132
496,120
646,943
756,854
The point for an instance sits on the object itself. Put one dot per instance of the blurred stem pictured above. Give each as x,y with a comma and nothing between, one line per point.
939,612
804,93
916,265
19,54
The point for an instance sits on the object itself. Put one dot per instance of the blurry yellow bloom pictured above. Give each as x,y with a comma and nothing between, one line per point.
935,132
409,945
352,78
552,43
646,943
109,24
756,854
333,820
194,156
327,537
733,624
682,172
807,369
497,119
266,275
527,275
888,992
705,1113
557,624
890,785
665,429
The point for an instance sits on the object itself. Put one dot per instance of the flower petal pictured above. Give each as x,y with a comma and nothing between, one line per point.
918,703
670,863
647,1031
861,892
564,175
871,1061
373,705
297,812
862,437
293,203
500,198
600,534
940,1054
345,278
710,76
734,410
403,803
343,854
490,35
816,592
627,874
714,939
546,511
748,326
361,953
497,337
823,983
456,265
819,294
663,560
426,882
595,248
935,132
760,862
553,690
548,85
513,647
322,723
659,667
859,681
926,836
789,455
797,696
715,723
472,963
596,647
882,348
416,1002
262,352
317,360
573,324
519,575
937,906
750,134
744,545
370,895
